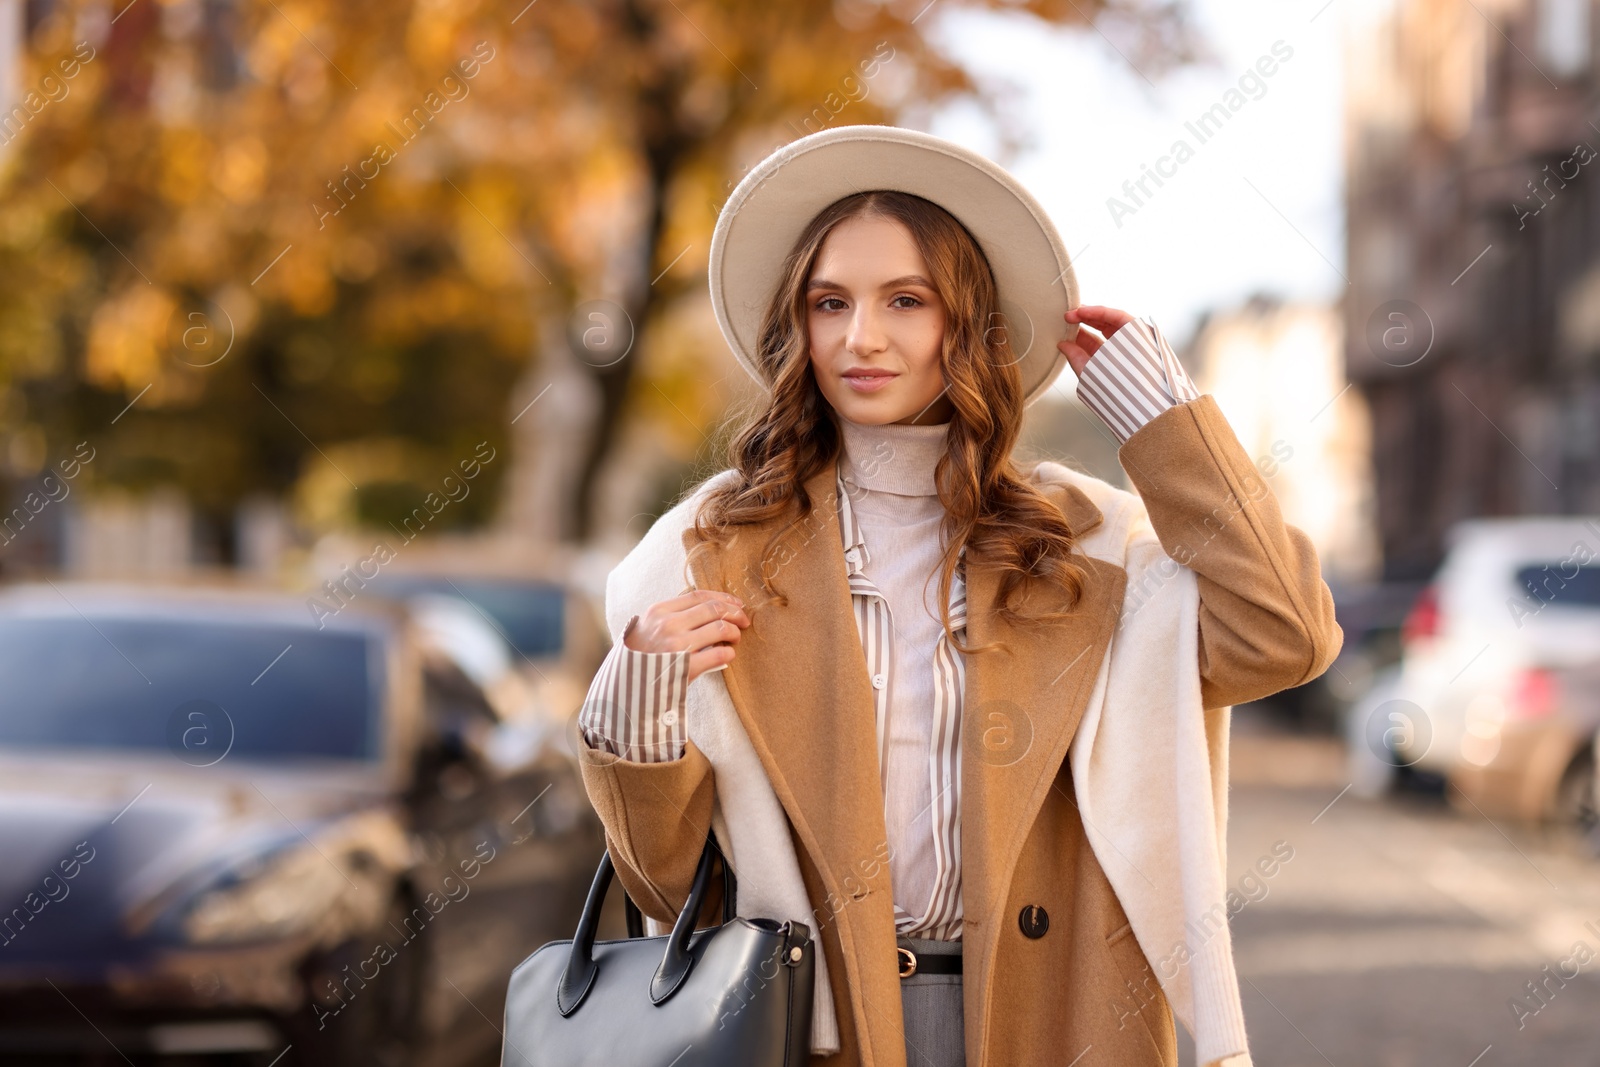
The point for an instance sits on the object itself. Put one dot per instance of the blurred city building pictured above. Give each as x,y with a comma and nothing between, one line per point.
1473,314
1277,371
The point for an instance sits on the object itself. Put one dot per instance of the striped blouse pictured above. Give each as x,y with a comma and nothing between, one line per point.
918,716
634,708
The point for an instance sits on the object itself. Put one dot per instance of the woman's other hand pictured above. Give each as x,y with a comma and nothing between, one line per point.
704,622
1106,320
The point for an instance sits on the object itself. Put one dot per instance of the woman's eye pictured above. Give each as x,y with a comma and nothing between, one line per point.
834,303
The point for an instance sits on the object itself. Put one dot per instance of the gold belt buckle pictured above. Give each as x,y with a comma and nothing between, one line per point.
908,961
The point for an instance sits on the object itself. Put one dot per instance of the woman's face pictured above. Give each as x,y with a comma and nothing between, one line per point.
876,326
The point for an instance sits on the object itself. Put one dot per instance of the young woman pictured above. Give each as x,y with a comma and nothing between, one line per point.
965,719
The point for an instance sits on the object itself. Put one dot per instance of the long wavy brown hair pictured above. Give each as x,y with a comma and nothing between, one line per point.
989,506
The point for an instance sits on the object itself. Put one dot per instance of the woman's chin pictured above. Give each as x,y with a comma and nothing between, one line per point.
873,409
884,405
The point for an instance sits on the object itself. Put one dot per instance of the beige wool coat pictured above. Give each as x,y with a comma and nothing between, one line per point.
1197,596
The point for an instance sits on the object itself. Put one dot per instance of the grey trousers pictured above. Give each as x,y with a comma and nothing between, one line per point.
931,1004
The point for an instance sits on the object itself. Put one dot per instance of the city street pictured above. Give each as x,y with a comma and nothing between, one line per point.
1401,930
451,448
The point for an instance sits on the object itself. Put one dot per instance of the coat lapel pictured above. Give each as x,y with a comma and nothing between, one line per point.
799,682
1021,710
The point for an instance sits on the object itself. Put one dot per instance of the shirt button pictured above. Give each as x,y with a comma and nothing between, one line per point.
669,718
852,555
879,681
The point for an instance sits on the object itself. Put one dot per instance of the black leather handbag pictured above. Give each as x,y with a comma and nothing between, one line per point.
738,993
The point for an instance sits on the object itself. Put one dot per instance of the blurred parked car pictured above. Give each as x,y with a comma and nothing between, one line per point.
533,601
540,619
1501,654
229,828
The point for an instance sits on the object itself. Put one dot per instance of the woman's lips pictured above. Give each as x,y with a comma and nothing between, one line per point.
867,383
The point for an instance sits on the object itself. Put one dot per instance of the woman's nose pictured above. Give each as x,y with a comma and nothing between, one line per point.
866,334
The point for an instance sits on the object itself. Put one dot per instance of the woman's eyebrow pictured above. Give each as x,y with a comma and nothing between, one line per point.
893,283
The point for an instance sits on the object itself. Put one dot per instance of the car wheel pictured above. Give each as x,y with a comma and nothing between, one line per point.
359,1021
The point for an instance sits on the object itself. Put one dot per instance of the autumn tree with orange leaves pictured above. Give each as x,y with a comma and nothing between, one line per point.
249,247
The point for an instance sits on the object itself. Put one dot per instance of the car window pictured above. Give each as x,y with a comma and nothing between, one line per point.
1560,585
198,688
531,616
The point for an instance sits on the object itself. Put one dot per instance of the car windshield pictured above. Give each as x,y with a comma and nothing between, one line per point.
529,615
1561,585
200,688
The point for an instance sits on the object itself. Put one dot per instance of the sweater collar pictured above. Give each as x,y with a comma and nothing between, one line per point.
892,458
857,555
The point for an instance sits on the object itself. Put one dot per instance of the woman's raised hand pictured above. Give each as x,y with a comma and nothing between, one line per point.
1107,320
704,622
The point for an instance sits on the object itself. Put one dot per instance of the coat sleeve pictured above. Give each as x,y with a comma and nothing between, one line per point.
656,817
1266,615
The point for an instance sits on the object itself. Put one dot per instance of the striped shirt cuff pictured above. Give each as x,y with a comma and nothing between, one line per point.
635,706
1133,378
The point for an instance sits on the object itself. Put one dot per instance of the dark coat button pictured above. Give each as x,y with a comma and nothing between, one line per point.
1034,921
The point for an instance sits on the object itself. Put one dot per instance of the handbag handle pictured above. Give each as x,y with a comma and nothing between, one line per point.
635,918
579,974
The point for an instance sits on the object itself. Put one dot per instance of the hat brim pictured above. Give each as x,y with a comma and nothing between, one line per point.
775,201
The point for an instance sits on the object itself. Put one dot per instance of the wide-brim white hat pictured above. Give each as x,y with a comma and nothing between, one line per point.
773,203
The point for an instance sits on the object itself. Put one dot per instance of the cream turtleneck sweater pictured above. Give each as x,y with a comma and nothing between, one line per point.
889,474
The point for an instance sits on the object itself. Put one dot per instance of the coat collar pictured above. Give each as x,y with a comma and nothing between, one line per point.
800,687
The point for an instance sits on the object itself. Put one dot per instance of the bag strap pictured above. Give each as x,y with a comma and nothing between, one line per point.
730,891
676,961
579,974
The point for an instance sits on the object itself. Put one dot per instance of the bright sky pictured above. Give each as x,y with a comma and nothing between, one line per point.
1224,224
